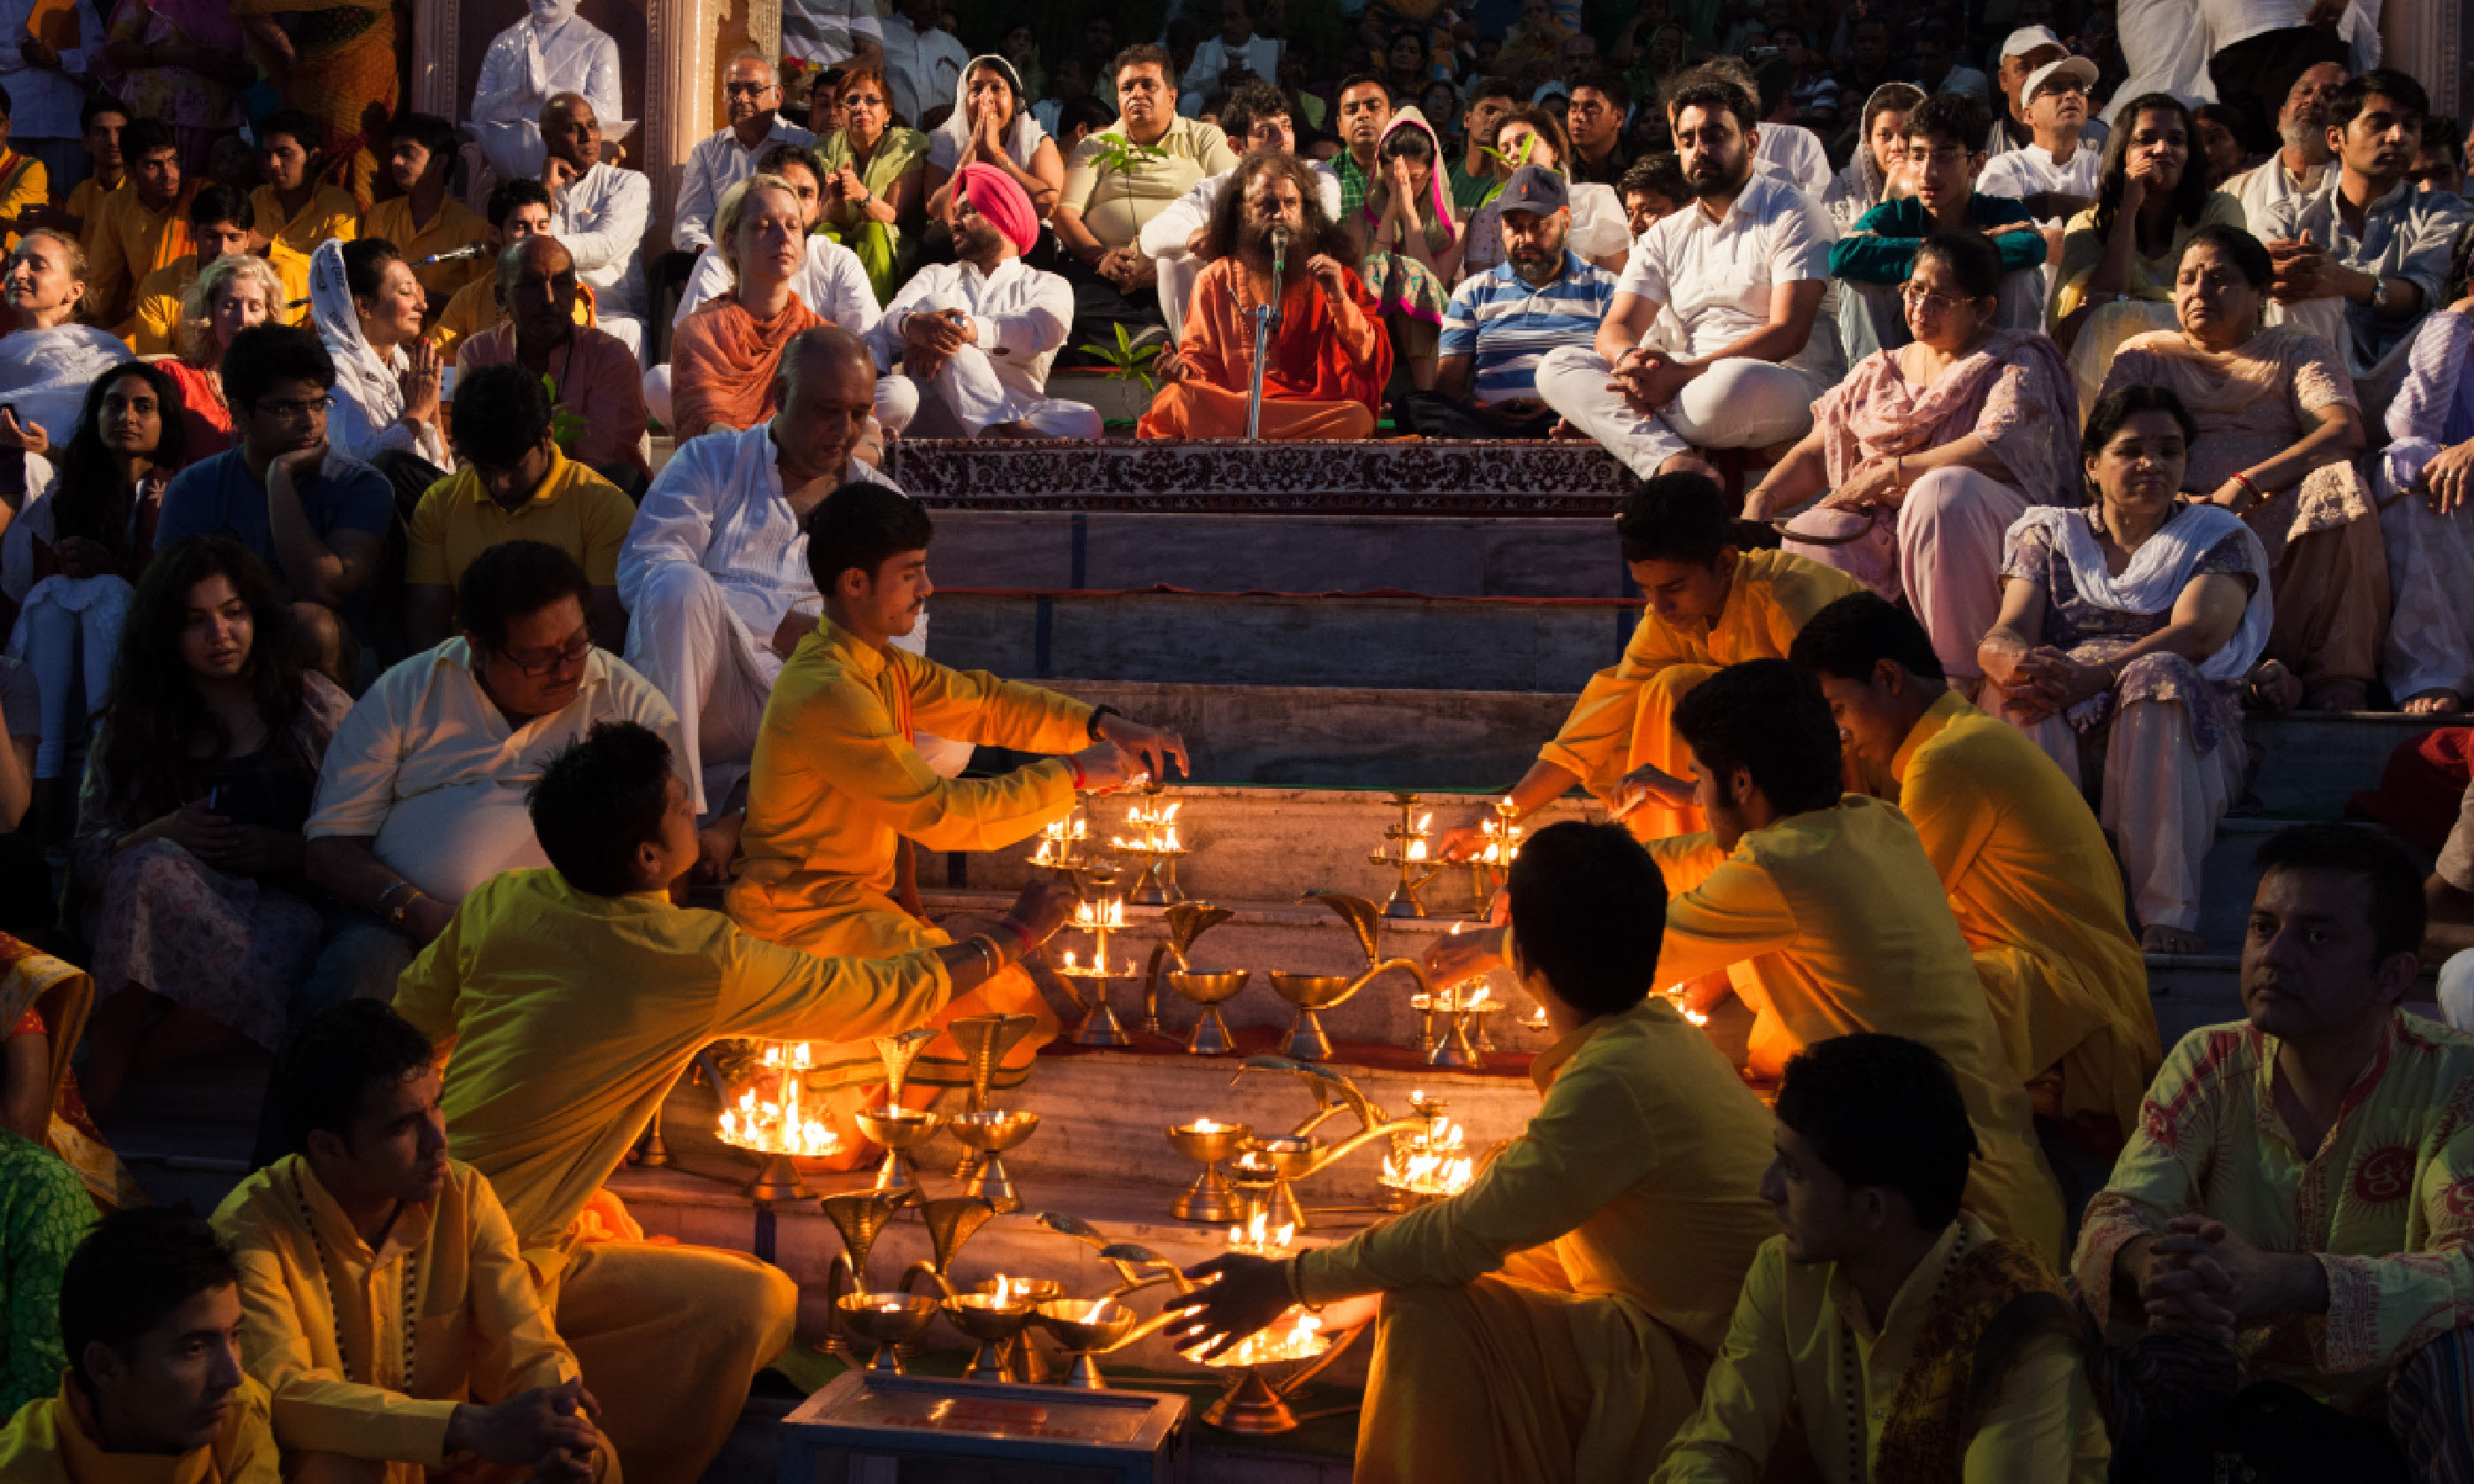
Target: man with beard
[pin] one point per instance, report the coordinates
(2202, 1260)
(2359, 261)
(1257, 119)
(1744, 267)
(1540, 297)
(2302, 159)
(976, 336)
(1327, 357)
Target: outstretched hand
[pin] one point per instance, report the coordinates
(1243, 1294)
(1154, 745)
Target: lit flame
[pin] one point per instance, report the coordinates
(1430, 1163)
(1259, 1238)
(773, 1126)
(1006, 1294)
(1296, 1336)
(1417, 849)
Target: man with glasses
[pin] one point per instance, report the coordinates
(729, 155)
(2025, 57)
(2054, 172)
(314, 516)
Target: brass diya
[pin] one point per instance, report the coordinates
(1088, 1327)
(1254, 1403)
(992, 1323)
(1263, 1173)
(1186, 921)
(1207, 1143)
(900, 1129)
(1313, 993)
(1210, 1035)
(1021, 1357)
(861, 1216)
(888, 1321)
(987, 1135)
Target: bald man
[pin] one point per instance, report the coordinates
(750, 93)
(599, 211)
(715, 572)
(593, 370)
(553, 50)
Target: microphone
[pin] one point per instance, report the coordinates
(457, 254)
(1279, 253)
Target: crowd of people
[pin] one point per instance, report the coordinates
(1996, 438)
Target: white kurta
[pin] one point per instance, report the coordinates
(599, 217)
(524, 69)
(717, 163)
(2164, 43)
(920, 67)
(44, 374)
(1020, 316)
(1796, 151)
(2430, 556)
(1215, 59)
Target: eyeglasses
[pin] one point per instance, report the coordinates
(747, 89)
(573, 653)
(291, 412)
(1925, 298)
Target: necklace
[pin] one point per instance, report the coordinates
(1857, 1471)
(411, 1301)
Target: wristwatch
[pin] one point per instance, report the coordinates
(2379, 293)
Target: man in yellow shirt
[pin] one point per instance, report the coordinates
(837, 782)
(219, 218)
(100, 118)
(25, 185)
(516, 485)
(154, 1392)
(2296, 1206)
(2027, 869)
(384, 1305)
(1903, 1339)
(425, 220)
(567, 1001)
(1712, 604)
(1553, 1320)
(517, 210)
(294, 208)
(143, 228)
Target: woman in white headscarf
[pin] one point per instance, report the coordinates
(367, 307)
(991, 125)
(1866, 181)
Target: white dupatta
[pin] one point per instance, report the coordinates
(2159, 570)
(360, 377)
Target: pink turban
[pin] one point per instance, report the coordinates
(993, 194)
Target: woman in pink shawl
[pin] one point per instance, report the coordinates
(1924, 455)
(1412, 242)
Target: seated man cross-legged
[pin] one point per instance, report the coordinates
(385, 1304)
(1882, 1290)
(1551, 1321)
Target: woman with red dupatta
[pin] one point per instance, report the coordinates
(1329, 359)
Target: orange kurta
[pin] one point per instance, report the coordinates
(1320, 382)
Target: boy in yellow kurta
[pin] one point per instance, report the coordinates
(836, 783)
(2026, 865)
(293, 209)
(142, 227)
(1710, 604)
(385, 1304)
(1905, 1339)
(25, 185)
(567, 1001)
(426, 220)
(219, 218)
(2298, 1198)
(100, 119)
(154, 1392)
(1551, 1321)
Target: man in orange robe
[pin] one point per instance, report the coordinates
(1328, 355)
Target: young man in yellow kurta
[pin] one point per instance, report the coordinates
(836, 783)
(1552, 1321)
(1710, 604)
(219, 218)
(154, 1392)
(25, 185)
(100, 119)
(1905, 1340)
(385, 1306)
(427, 220)
(566, 1002)
(2298, 1199)
(2025, 864)
(142, 227)
(294, 208)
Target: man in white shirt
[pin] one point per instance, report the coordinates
(1255, 117)
(922, 63)
(2165, 42)
(727, 156)
(826, 33)
(2028, 51)
(1790, 151)
(2053, 175)
(2302, 157)
(1216, 61)
(421, 793)
(553, 50)
(2256, 48)
(1744, 267)
(976, 336)
(599, 212)
(715, 572)
(44, 91)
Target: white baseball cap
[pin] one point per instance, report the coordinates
(2027, 39)
(2078, 67)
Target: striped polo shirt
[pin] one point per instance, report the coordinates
(1505, 324)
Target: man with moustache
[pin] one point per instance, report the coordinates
(1744, 267)
(1365, 105)
(599, 212)
(1256, 118)
(591, 369)
(1543, 296)
(2303, 155)
(1327, 358)
(2054, 172)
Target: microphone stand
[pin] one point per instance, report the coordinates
(1267, 318)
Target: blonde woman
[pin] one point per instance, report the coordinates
(723, 356)
(49, 359)
(227, 295)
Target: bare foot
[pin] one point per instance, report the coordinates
(2434, 703)
(2157, 938)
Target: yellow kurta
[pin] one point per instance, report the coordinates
(1831, 922)
(482, 1333)
(1626, 714)
(24, 183)
(49, 1442)
(475, 308)
(565, 1017)
(1786, 1358)
(456, 226)
(835, 785)
(1553, 1320)
(2038, 896)
(85, 204)
(331, 212)
(129, 242)
(154, 324)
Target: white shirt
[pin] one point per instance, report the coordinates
(920, 68)
(1717, 275)
(2164, 43)
(46, 99)
(2024, 172)
(1213, 58)
(2268, 185)
(822, 32)
(427, 766)
(1165, 234)
(44, 374)
(830, 280)
(1019, 313)
(599, 217)
(2009, 135)
(718, 504)
(2228, 21)
(714, 166)
(1798, 153)
(524, 69)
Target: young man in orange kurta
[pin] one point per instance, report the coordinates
(1327, 358)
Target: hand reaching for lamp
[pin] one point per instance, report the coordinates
(1154, 745)
(1245, 1294)
(1648, 784)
